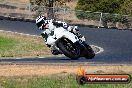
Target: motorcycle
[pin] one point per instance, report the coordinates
(70, 45)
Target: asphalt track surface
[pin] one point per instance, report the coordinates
(117, 45)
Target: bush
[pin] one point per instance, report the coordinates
(104, 6)
(88, 15)
(114, 18)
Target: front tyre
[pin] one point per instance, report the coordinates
(87, 51)
(90, 54)
(68, 48)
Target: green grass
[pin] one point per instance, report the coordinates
(14, 45)
(52, 81)
(6, 43)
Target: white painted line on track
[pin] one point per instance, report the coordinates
(19, 33)
(41, 57)
(100, 49)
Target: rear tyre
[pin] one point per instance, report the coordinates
(68, 48)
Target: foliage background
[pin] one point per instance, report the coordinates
(106, 6)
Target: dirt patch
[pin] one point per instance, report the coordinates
(42, 70)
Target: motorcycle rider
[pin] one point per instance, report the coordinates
(47, 27)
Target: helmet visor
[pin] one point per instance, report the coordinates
(39, 24)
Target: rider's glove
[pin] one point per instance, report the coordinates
(73, 29)
(82, 38)
(58, 24)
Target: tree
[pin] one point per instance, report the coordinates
(113, 7)
(127, 7)
(39, 2)
(49, 4)
(106, 6)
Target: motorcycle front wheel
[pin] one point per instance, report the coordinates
(68, 48)
(90, 54)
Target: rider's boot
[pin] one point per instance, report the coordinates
(55, 51)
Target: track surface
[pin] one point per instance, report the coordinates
(117, 44)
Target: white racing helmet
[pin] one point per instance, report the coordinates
(41, 21)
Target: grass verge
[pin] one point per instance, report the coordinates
(52, 81)
(16, 45)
